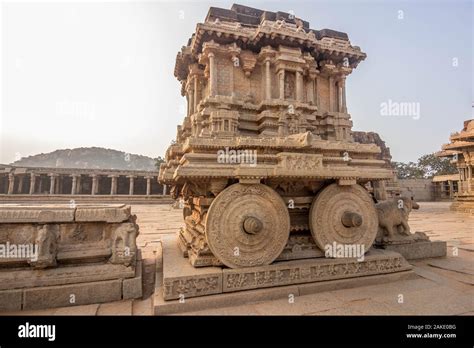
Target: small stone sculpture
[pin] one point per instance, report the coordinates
(393, 220)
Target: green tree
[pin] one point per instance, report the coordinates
(158, 161)
(432, 165)
(408, 170)
(426, 167)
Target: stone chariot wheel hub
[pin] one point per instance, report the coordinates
(247, 225)
(345, 215)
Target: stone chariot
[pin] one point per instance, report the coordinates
(265, 165)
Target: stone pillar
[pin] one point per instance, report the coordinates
(40, 188)
(190, 92)
(95, 184)
(32, 183)
(132, 183)
(74, 184)
(164, 190)
(212, 75)
(299, 86)
(20, 184)
(11, 183)
(148, 185)
(113, 184)
(52, 186)
(268, 80)
(341, 95)
(331, 94)
(281, 78)
(451, 189)
(79, 185)
(316, 99)
(196, 93)
(343, 89)
(58, 189)
(310, 89)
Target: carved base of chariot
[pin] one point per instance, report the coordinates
(249, 225)
(180, 287)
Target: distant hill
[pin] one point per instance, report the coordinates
(88, 157)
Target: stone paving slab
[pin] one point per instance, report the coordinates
(440, 300)
(90, 309)
(116, 308)
(454, 264)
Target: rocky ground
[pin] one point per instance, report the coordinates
(445, 286)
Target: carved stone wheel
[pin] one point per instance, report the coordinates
(345, 215)
(247, 225)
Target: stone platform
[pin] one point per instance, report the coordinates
(179, 283)
(419, 250)
(66, 255)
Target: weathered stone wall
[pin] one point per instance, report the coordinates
(419, 189)
(64, 255)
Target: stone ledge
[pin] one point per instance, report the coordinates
(182, 281)
(102, 213)
(27, 278)
(133, 287)
(419, 250)
(57, 213)
(16, 213)
(163, 307)
(85, 292)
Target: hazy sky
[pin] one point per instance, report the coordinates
(101, 73)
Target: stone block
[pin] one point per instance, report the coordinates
(163, 307)
(106, 213)
(312, 270)
(10, 300)
(419, 250)
(133, 287)
(61, 296)
(16, 213)
(180, 278)
(115, 308)
(26, 278)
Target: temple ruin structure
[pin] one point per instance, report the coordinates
(461, 150)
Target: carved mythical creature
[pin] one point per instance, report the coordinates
(393, 217)
(124, 247)
(46, 242)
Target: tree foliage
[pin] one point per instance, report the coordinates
(158, 161)
(426, 167)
